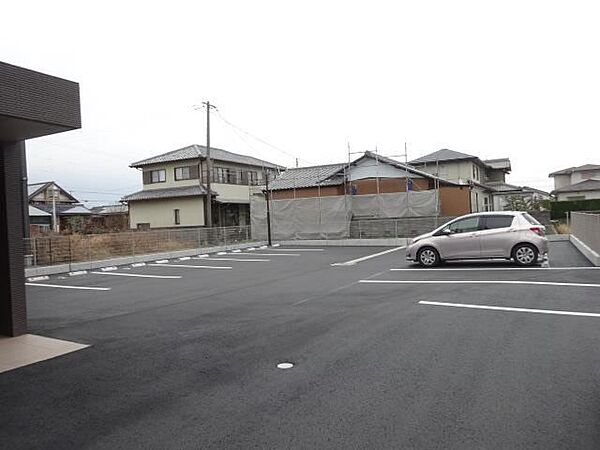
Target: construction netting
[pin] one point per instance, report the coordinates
(331, 217)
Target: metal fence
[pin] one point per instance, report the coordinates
(50, 250)
(586, 227)
(406, 227)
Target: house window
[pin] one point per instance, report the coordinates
(158, 176)
(177, 218)
(182, 173)
(486, 204)
(252, 177)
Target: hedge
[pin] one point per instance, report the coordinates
(558, 210)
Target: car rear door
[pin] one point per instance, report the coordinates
(463, 240)
(496, 236)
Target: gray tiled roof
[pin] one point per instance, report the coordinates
(63, 209)
(593, 184)
(505, 187)
(303, 177)
(110, 209)
(199, 151)
(153, 194)
(576, 169)
(442, 155)
(36, 212)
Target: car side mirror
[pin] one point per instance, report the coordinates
(444, 232)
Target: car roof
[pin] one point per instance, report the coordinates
(493, 213)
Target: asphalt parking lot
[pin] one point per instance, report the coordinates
(184, 354)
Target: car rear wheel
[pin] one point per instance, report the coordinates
(525, 254)
(428, 257)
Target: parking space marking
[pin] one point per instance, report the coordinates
(270, 254)
(85, 288)
(235, 259)
(191, 266)
(298, 249)
(364, 258)
(534, 283)
(483, 269)
(137, 275)
(511, 309)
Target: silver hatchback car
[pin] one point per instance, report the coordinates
(491, 235)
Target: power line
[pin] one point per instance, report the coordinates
(259, 139)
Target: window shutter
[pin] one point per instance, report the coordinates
(194, 172)
(147, 177)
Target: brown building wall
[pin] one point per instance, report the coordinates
(388, 185)
(326, 191)
(455, 200)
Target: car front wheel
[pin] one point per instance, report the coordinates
(525, 254)
(428, 257)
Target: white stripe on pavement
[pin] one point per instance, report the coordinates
(504, 308)
(534, 283)
(270, 254)
(137, 275)
(298, 249)
(364, 258)
(483, 269)
(234, 259)
(86, 288)
(190, 266)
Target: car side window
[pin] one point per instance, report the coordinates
(492, 222)
(467, 225)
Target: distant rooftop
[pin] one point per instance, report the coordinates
(575, 169)
(445, 155)
(199, 151)
(442, 155)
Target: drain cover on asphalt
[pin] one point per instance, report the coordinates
(285, 365)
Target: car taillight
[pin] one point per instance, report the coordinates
(538, 230)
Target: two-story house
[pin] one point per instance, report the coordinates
(577, 183)
(483, 176)
(63, 209)
(174, 188)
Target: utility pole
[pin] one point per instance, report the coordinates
(208, 206)
(266, 175)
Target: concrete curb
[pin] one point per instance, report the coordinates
(92, 265)
(558, 237)
(391, 242)
(587, 251)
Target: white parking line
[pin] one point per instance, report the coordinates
(503, 308)
(298, 249)
(484, 269)
(235, 259)
(270, 254)
(85, 288)
(534, 283)
(364, 258)
(137, 275)
(190, 266)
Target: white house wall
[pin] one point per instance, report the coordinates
(589, 195)
(161, 214)
(368, 168)
(456, 171)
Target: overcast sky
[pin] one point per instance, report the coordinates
(517, 79)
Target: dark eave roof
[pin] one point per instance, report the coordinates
(593, 184)
(155, 194)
